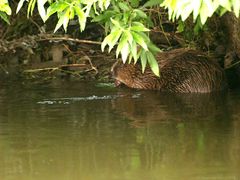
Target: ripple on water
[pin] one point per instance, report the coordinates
(76, 99)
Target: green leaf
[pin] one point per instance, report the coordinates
(196, 9)
(66, 18)
(105, 16)
(187, 10)
(153, 48)
(104, 43)
(4, 16)
(222, 11)
(143, 58)
(20, 4)
(111, 39)
(56, 7)
(134, 52)
(124, 6)
(126, 17)
(115, 35)
(129, 37)
(226, 4)
(100, 5)
(137, 26)
(205, 11)
(197, 27)
(72, 13)
(153, 63)
(139, 29)
(125, 52)
(81, 17)
(140, 40)
(151, 3)
(134, 3)
(123, 41)
(41, 9)
(31, 7)
(116, 23)
(144, 36)
(5, 8)
(140, 13)
(60, 21)
(236, 7)
(107, 3)
(171, 6)
(180, 27)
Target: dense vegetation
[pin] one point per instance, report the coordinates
(126, 22)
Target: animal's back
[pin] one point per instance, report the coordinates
(192, 72)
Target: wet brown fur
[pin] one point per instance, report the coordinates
(181, 70)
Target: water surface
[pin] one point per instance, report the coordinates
(67, 130)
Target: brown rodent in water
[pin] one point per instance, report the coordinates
(181, 70)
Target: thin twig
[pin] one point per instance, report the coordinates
(58, 68)
(234, 64)
(70, 39)
(5, 71)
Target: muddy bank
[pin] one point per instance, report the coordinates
(54, 56)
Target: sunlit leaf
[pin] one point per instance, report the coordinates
(140, 13)
(137, 26)
(107, 3)
(60, 22)
(111, 38)
(81, 17)
(124, 6)
(115, 36)
(4, 17)
(143, 58)
(129, 37)
(123, 41)
(226, 4)
(140, 40)
(151, 3)
(125, 52)
(41, 9)
(66, 18)
(116, 23)
(196, 9)
(204, 11)
(153, 48)
(105, 16)
(20, 4)
(31, 7)
(56, 7)
(5, 8)
(222, 11)
(236, 7)
(134, 3)
(187, 10)
(134, 52)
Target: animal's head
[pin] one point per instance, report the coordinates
(131, 75)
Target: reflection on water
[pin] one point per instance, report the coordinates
(71, 130)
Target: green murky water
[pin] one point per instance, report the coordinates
(77, 131)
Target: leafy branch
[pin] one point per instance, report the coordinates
(5, 10)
